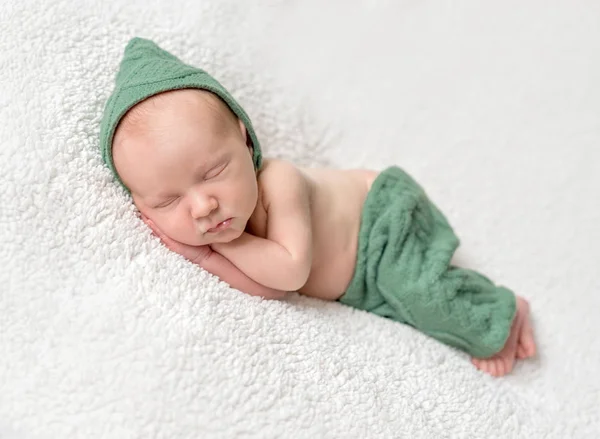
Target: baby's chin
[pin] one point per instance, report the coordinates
(210, 238)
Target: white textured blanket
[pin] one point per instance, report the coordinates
(494, 107)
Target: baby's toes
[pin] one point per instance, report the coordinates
(508, 364)
(500, 367)
(480, 364)
(529, 346)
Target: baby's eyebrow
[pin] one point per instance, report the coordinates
(209, 165)
(200, 171)
(159, 196)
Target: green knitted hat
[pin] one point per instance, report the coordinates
(147, 70)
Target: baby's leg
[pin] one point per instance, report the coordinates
(520, 343)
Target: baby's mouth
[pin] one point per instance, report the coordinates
(220, 227)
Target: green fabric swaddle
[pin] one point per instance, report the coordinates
(403, 272)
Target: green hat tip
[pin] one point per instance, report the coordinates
(147, 70)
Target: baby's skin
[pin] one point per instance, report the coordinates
(187, 161)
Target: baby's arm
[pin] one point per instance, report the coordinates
(283, 260)
(216, 264)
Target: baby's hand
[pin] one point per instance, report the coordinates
(217, 264)
(195, 254)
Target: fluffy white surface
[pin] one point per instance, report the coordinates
(493, 106)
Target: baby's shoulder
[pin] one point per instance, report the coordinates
(276, 174)
(278, 178)
(275, 167)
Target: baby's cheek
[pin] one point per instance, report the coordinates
(167, 222)
(180, 227)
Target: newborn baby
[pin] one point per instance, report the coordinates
(189, 156)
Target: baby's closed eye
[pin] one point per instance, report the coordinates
(166, 203)
(215, 171)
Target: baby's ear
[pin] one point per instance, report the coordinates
(247, 139)
(243, 130)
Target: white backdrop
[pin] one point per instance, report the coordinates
(493, 107)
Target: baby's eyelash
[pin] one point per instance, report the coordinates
(218, 171)
(164, 204)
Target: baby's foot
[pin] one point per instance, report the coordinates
(503, 362)
(526, 345)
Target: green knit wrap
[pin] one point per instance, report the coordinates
(147, 70)
(403, 271)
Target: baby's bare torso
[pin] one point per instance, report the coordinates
(336, 199)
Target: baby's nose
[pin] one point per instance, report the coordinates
(203, 205)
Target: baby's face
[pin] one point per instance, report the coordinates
(186, 161)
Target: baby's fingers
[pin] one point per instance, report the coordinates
(155, 230)
(192, 253)
(171, 244)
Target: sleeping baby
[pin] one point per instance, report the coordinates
(187, 153)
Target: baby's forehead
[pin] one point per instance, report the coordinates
(152, 110)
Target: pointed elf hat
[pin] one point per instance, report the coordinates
(147, 70)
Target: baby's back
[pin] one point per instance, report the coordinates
(337, 198)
